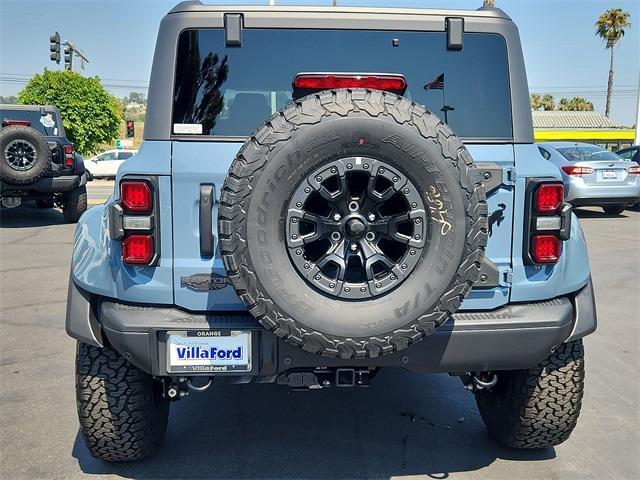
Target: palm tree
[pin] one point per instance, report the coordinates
(576, 104)
(536, 101)
(610, 27)
(548, 103)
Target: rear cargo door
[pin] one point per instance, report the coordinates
(198, 173)
(496, 163)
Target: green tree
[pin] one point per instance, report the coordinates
(536, 101)
(578, 104)
(548, 102)
(90, 114)
(610, 27)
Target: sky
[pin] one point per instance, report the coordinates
(563, 56)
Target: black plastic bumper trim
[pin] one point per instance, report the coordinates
(513, 337)
(64, 183)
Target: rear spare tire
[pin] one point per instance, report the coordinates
(25, 155)
(352, 223)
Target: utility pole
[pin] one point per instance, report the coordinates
(637, 137)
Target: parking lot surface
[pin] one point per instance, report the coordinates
(404, 426)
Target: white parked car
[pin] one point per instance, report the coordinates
(106, 164)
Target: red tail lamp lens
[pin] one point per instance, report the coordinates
(137, 249)
(577, 171)
(634, 170)
(68, 149)
(549, 197)
(391, 83)
(546, 248)
(135, 196)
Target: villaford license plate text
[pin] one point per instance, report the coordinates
(209, 351)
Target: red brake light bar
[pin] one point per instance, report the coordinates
(546, 248)
(137, 249)
(635, 170)
(324, 81)
(23, 123)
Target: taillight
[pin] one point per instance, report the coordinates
(547, 221)
(68, 155)
(634, 170)
(577, 171)
(548, 197)
(134, 221)
(324, 81)
(137, 249)
(546, 248)
(135, 196)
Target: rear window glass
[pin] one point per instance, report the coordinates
(586, 154)
(45, 124)
(228, 91)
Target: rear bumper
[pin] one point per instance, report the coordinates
(580, 194)
(64, 183)
(517, 336)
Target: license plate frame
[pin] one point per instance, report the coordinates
(222, 340)
(609, 174)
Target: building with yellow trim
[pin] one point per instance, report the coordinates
(589, 127)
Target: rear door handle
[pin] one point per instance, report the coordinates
(207, 198)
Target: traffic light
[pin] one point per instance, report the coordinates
(68, 56)
(131, 129)
(54, 46)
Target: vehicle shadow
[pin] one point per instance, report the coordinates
(30, 216)
(597, 213)
(404, 424)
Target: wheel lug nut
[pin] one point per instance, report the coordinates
(370, 236)
(337, 217)
(307, 266)
(417, 237)
(395, 179)
(307, 190)
(381, 170)
(371, 217)
(347, 289)
(319, 178)
(317, 277)
(418, 220)
(353, 247)
(404, 266)
(294, 220)
(378, 285)
(366, 166)
(414, 205)
(349, 166)
(332, 285)
(363, 289)
(335, 236)
(298, 204)
(406, 191)
(334, 170)
(298, 252)
(294, 236)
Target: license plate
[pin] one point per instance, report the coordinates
(209, 351)
(609, 174)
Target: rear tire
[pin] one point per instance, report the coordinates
(614, 210)
(539, 407)
(75, 204)
(123, 415)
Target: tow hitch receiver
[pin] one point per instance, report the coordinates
(321, 378)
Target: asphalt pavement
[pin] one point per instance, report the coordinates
(404, 426)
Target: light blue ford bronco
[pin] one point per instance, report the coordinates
(321, 193)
